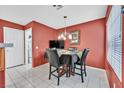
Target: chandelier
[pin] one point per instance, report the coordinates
(64, 35)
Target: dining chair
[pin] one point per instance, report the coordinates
(82, 64)
(53, 60)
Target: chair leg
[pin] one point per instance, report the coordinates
(50, 73)
(58, 79)
(69, 71)
(82, 74)
(74, 67)
(85, 70)
(67, 74)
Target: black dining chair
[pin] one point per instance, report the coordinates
(82, 64)
(53, 60)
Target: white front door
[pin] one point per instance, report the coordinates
(14, 55)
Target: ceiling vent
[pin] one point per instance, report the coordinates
(58, 7)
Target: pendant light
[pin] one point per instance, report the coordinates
(64, 35)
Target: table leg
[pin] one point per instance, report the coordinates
(69, 70)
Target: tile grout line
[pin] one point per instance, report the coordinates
(25, 78)
(100, 82)
(87, 82)
(12, 79)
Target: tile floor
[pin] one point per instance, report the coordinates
(23, 77)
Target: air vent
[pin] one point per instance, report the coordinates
(58, 7)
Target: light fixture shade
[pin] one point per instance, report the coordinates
(59, 37)
(70, 36)
(62, 36)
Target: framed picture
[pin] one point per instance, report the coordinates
(75, 37)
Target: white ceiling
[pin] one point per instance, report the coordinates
(48, 15)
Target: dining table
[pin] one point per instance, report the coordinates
(69, 57)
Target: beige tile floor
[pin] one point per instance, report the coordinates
(23, 77)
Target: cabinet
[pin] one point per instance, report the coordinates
(2, 68)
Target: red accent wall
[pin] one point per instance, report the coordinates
(2, 79)
(112, 77)
(4, 23)
(41, 34)
(29, 25)
(92, 36)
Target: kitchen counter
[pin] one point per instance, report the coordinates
(3, 45)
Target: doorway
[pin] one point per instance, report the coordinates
(28, 48)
